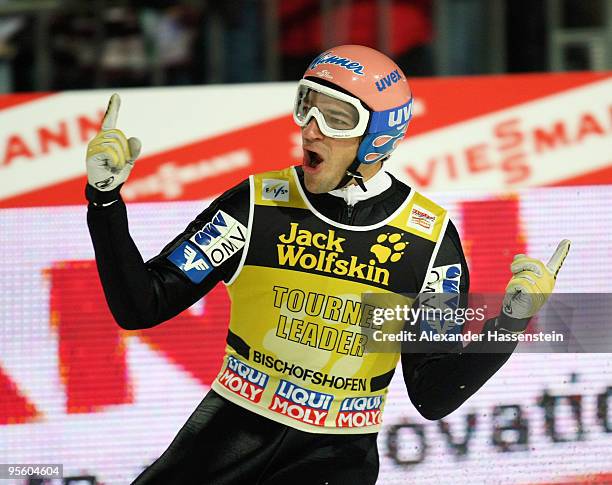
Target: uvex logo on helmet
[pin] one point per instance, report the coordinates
(400, 116)
(388, 80)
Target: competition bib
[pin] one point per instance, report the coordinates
(301, 319)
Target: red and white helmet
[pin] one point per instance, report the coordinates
(372, 91)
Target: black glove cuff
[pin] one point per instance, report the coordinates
(504, 322)
(99, 198)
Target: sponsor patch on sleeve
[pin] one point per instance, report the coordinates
(443, 279)
(421, 219)
(191, 262)
(220, 238)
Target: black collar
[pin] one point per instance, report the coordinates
(367, 212)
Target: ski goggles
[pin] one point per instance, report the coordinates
(338, 115)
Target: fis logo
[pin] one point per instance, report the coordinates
(388, 80)
(191, 262)
(273, 189)
(400, 116)
(356, 412)
(301, 404)
(421, 219)
(243, 380)
(221, 238)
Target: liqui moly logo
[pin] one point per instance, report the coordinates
(309, 407)
(243, 380)
(346, 63)
(356, 412)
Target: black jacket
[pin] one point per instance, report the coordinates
(144, 294)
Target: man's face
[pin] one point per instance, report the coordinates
(326, 159)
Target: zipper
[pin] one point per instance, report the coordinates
(347, 214)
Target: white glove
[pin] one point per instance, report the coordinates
(532, 282)
(110, 156)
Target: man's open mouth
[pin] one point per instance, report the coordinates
(312, 159)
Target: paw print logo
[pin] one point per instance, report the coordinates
(388, 247)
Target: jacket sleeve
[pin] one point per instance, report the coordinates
(144, 294)
(438, 382)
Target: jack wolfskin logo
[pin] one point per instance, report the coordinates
(388, 247)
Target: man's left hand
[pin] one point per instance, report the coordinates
(532, 282)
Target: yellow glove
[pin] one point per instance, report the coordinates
(110, 156)
(532, 282)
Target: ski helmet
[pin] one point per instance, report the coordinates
(376, 88)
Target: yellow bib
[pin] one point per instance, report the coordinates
(300, 321)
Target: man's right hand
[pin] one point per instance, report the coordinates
(110, 155)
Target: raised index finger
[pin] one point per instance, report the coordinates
(556, 261)
(112, 113)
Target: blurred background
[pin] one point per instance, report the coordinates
(75, 44)
(512, 133)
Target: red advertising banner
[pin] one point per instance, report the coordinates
(483, 133)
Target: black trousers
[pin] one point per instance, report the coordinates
(222, 444)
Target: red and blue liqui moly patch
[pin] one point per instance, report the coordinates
(356, 412)
(243, 380)
(309, 407)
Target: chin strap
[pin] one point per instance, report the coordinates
(352, 174)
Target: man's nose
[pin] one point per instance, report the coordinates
(311, 131)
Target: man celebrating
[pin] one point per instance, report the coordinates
(298, 397)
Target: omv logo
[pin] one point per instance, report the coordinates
(211, 230)
(220, 238)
